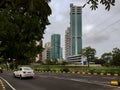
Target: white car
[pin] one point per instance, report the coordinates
(23, 72)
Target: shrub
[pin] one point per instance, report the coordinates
(65, 70)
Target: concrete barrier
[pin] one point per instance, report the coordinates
(115, 83)
(83, 73)
(89, 73)
(101, 74)
(95, 73)
(116, 74)
(108, 74)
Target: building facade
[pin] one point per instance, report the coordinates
(67, 42)
(76, 29)
(46, 52)
(55, 46)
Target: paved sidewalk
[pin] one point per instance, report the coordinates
(1, 85)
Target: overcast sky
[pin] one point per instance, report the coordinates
(101, 29)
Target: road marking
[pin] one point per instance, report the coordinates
(8, 83)
(83, 80)
(86, 81)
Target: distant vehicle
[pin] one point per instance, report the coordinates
(1, 69)
(24, 72)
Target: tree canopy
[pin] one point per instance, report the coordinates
(94, 3)
(111, 58)
(89, 53)
(116, 57)
(22, 24)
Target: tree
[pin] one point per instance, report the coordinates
(64, 63)
(98, 61)
(94, 3)
(54, 61)
(106, 58)
(48, 62)
(116, 57)
(22, 24)
(89, 53)
(1, 60)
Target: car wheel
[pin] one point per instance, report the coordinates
(1, 71)
(32, 77)
(20, 77)
(14, 75)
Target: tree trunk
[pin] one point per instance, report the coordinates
(88, 62)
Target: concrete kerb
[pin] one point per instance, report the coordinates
(2, 87)
(89, 73)
(115, 83)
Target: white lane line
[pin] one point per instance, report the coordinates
(8, 83)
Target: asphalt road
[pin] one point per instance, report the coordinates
(53, 81)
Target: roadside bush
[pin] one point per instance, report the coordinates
(65, 70)
(37, 69)
(53, 69)
(103, 71)
(46, 69)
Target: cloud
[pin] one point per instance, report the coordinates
(95, 38)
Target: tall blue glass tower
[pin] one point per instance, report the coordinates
(55, 46)
(76, 29)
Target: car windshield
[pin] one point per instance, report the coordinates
(27, 68)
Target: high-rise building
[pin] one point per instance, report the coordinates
(46, 52)
(61, 53)
(67, 42)
(55, 46)
(76, 29)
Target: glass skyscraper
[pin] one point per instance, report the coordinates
(76, 29)
(55, 46)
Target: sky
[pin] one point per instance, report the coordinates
(100, 28)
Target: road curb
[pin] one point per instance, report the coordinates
(2, 87)
(115, 83)
(12, 88)
(84, 73)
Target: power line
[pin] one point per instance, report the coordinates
(106, 28)
(96, 26)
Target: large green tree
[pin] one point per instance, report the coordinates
(116, 57)
(22, 23)
(89, 53)
(106, 58)
(94, 3)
